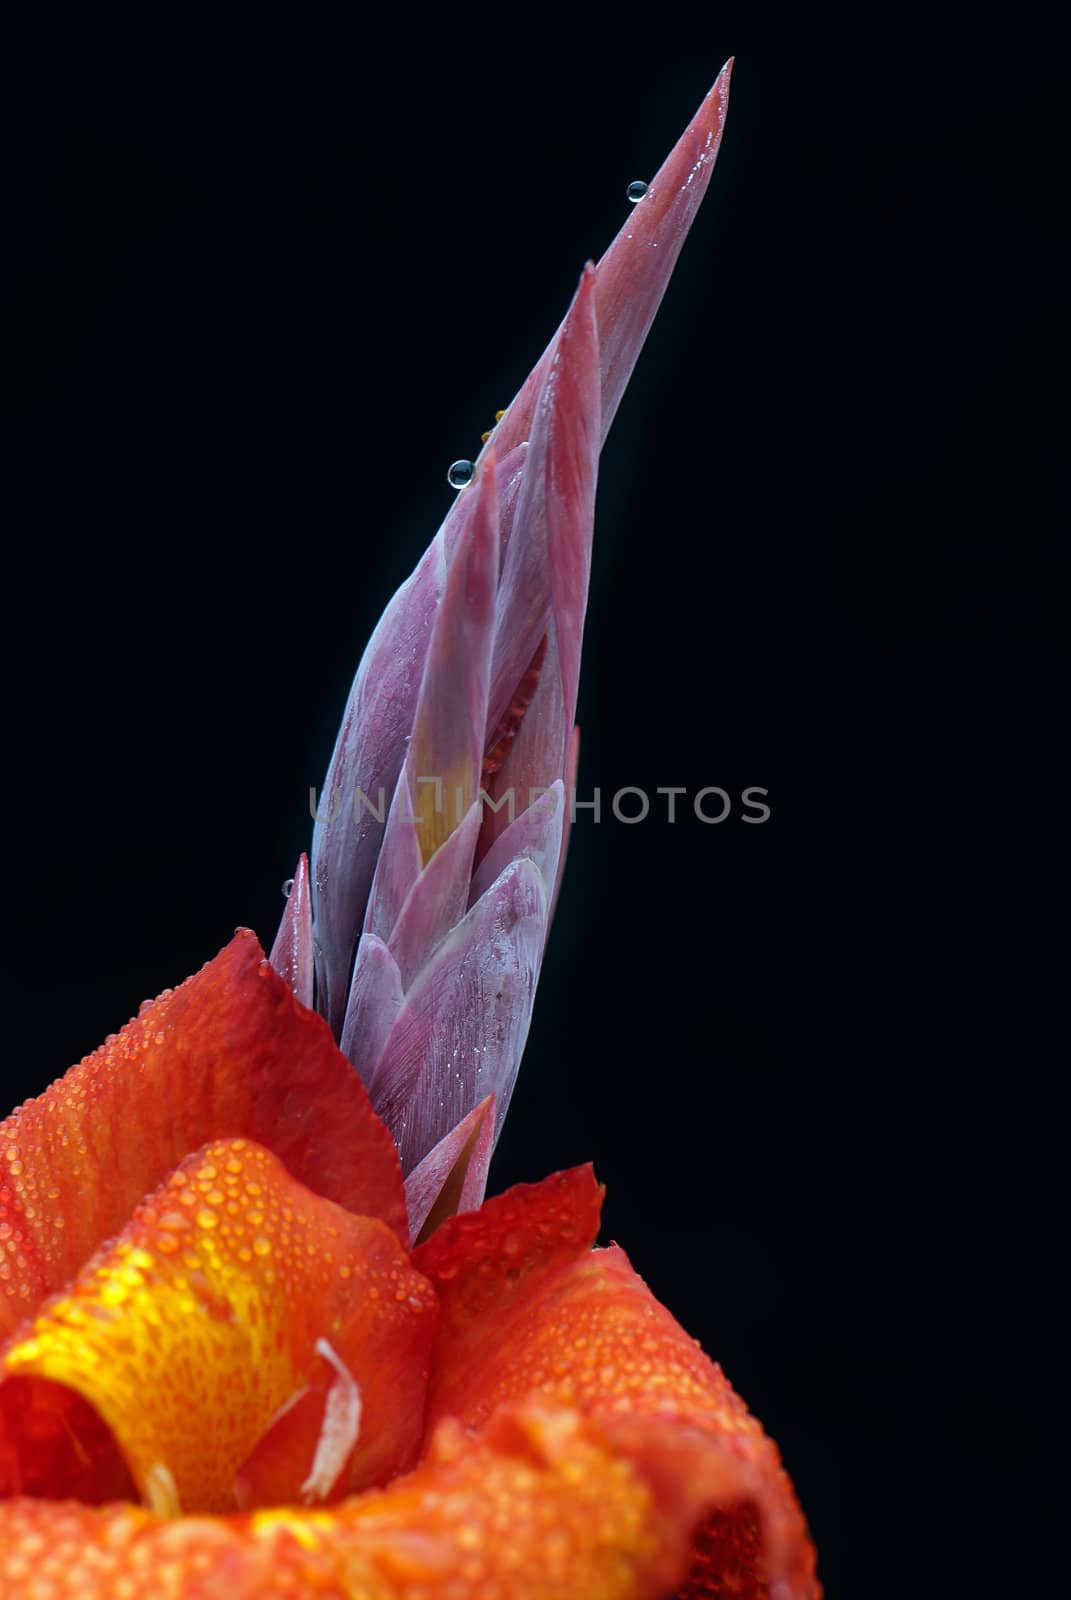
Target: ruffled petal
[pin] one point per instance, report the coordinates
(585, 1447)
(540, 1507)
(483, 1262)
(530, 1312)
(214, 1309)
(230, 1052)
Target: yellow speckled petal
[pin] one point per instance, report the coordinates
(186, 1336)
(229, 1053)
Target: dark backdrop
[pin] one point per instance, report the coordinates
(271, 277)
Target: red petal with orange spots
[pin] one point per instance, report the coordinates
(186, 1336)
(230, 1052)
(482, 1262)
(528, 1312)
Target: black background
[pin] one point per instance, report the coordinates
(272, 274)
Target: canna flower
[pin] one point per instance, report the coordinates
(260, 1335)
(228, 1374)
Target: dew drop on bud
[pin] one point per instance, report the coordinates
(636, 190)
(288, 884)
(460, 474)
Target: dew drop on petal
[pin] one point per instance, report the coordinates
(288, 884)
(636, 190)
(460, 474)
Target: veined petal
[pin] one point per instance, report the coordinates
(229, 1052)
(438, 899)
(461, 1030)
(190, 1331)
(376, 997)
(436, 902)
(453, 1176)
(536, 835)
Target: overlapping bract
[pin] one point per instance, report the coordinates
(430, 906)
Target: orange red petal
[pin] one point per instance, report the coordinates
(577, 1441)
(187, 1335)
(230, 1052)
(538, 1508)
(580, 1445)
(483, 1262)
(529, 1312)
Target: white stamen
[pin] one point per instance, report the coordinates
(339, 1430)
(161, 1492)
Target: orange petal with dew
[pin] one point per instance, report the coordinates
(484, 1261)
(540, 1507)
(230, 1052)
(176, 1348)
(528, 1313)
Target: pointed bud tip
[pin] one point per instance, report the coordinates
(711, 113)
(718, 95)
(585, 288)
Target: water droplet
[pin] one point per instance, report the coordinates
(460, 474)
(288, 884)
(636, 190)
